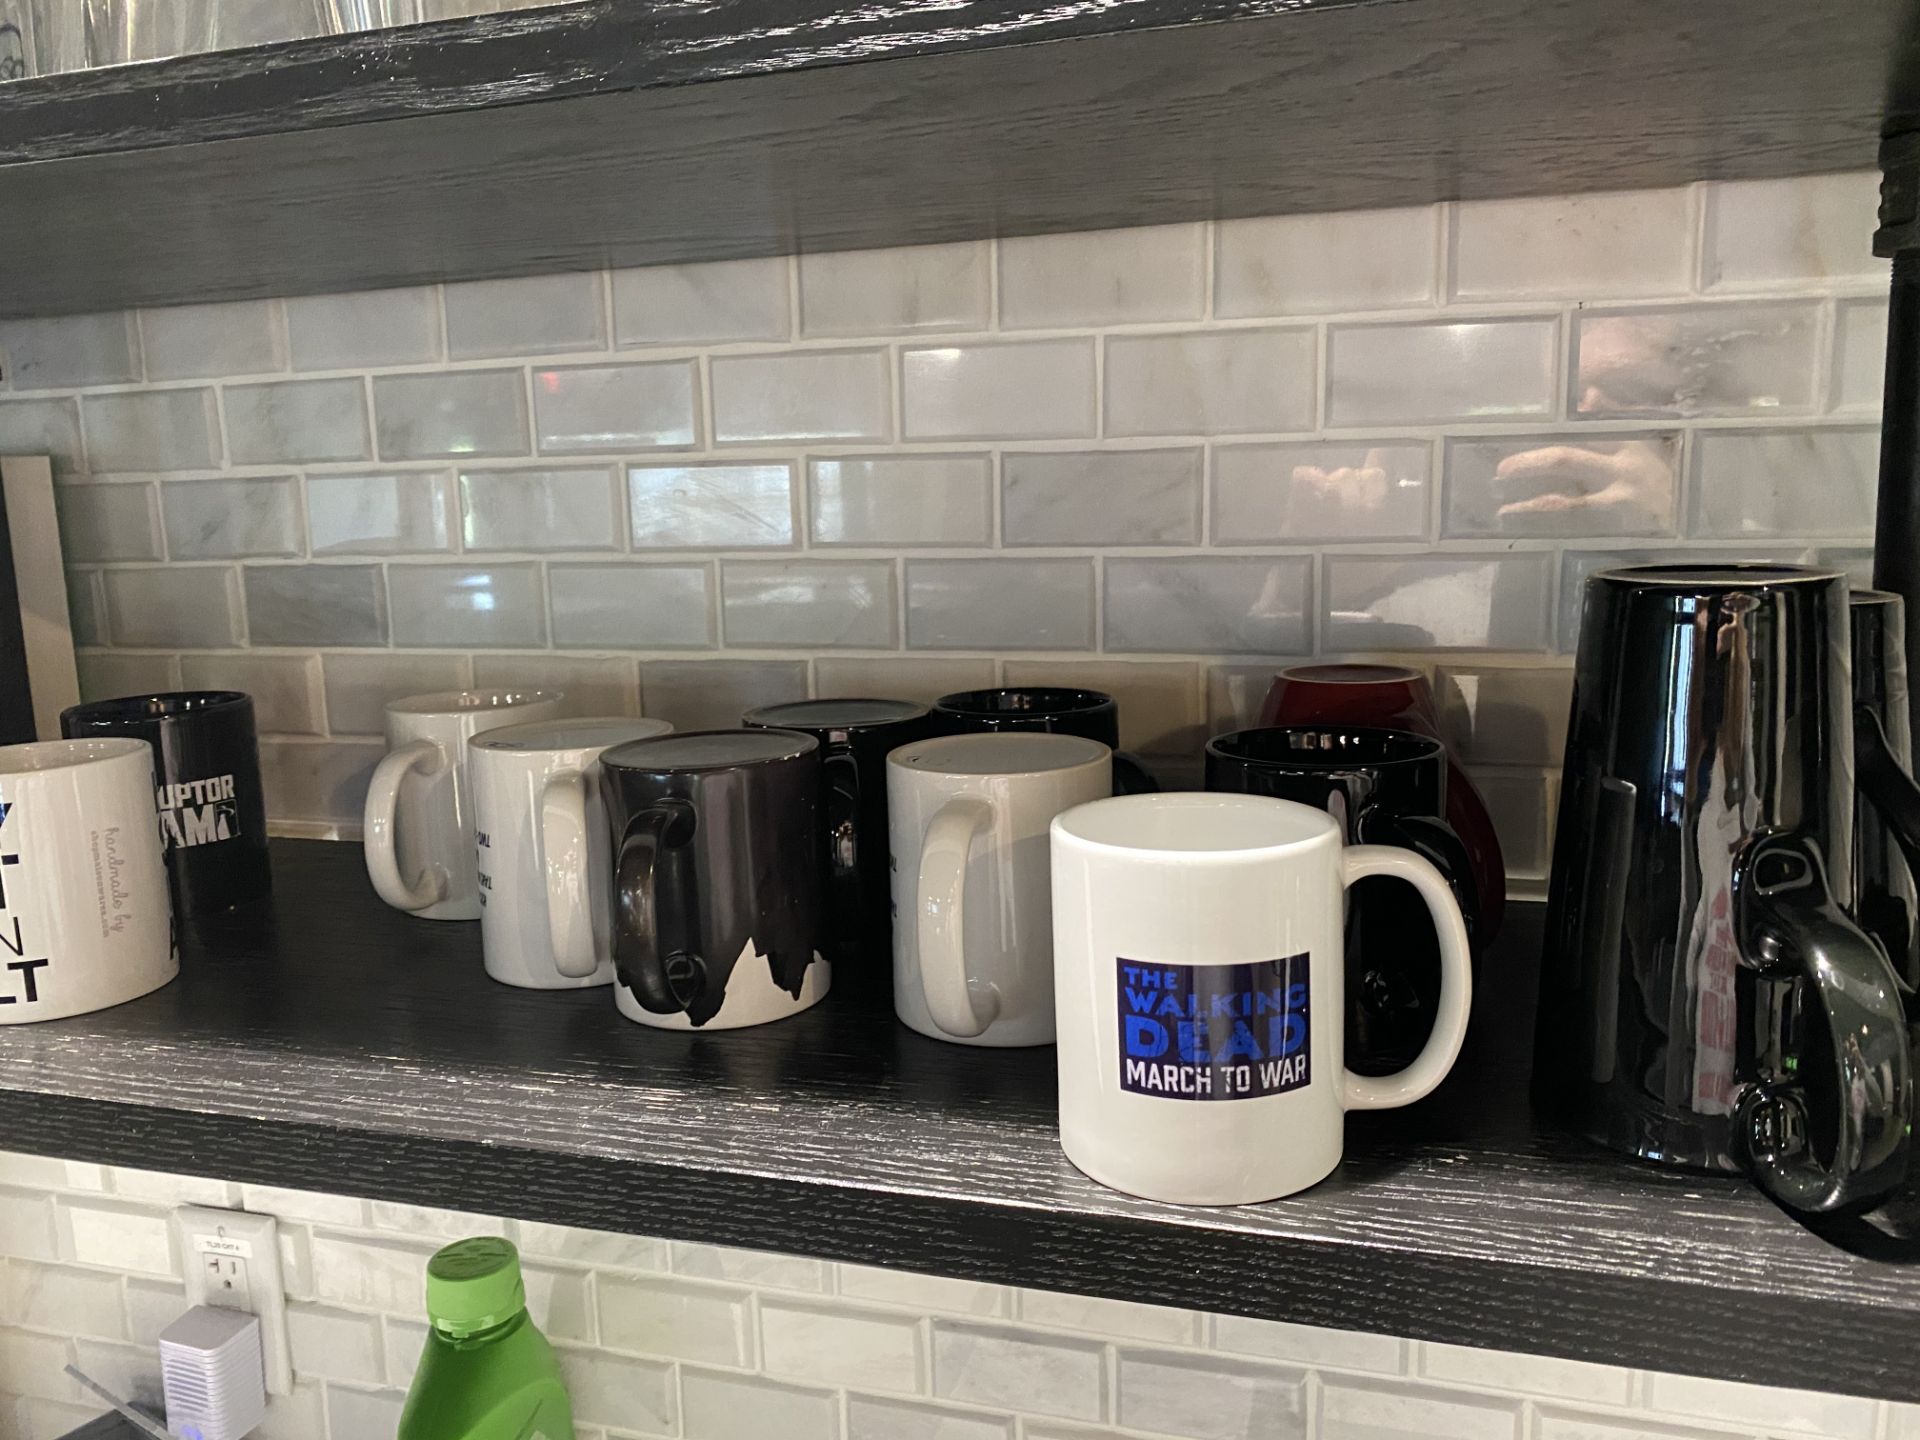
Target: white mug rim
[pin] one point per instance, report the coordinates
(1093, 753)
(467, 702)
(68, 754)
(557, 737)
(1319, 827)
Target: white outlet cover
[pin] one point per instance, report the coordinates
(213, 1243)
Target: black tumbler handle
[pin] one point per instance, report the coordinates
(1886, 786)
(1789, 927)
(665, 985)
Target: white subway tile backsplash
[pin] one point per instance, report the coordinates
(1696, 360)
(336, 1344)
(1568, 1425)
(592, 686)
(1239, 605)
(1221, 382)
(286, 701)
(872, 1419)
(705, 303)
(832, 395)
(1310, 1344)
(676, 1319)
(430, 1221)
(151, 1306)
(872, 292)
(590, 1247)
(116, 1236)
(841, 1346)
(641, 607)
(105, 675)
(1101, 497)
(319, 780)
(42, 427)
(1859, 356)
(1033, 390)
(1436, 372)
(59, 351)
(1109, 277)
(1833, 1417)
(1466, 602)
(1200, 1397)
(1505, 715)
(1562, 485)
(1159, 700)
(709, 694)
(467, 606)
(1785, 484)
(1356, 1410)
(1019, 1369)
(635, 1395)
(1808, 227)
(738, 506)
(1627, 242)
(526, 315)
(398, 513)
(108, 522)
(549, 509)
(1312, 264)
(451, 415)
(33, 1365)
(1315, 490)
(1569, 1380)
(358, 687)
(597, 409)
(368, 1273)
(232, 519)
(172, 605)
(999, 604)
(315, 605)
(86, 608)
(901, 499)
(734, 1407)
(362, 1414)
(939, 1293)
(200, 342)
(845, 604)
(915, 677)
(63, 1299)
(364, 327)
(1160, 1323)
(765, 1269)
(297, 422)
(150, 430)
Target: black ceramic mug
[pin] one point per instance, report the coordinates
(1384, 787)
(1058, 710)
(717, 885)
(855, 737)
(1886, 821)
(206, 763)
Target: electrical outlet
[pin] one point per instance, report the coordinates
(232, 1261)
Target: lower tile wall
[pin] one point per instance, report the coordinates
(679, 1340)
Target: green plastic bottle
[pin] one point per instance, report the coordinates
(487, 1372)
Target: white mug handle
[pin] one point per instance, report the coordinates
(1430, 1066)
(956, 1006)
(562, 858)
(383, 801)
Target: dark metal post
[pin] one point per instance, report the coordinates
(1896, 545)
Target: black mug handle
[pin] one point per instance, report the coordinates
(1788, 927)
(1886, 786)
(1436, 842)
(843, 833)
(1130, 777)
(664, 985)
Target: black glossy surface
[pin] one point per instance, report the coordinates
(1056, 710)
(624, 134)
(1886, 819)
(295, 1050)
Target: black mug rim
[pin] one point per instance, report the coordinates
(1709, 576)
(1054, 700)
(756, 718)
(805, 745)
(1418, 749)
(172, 705)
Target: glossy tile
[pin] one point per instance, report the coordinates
(1310, 1344)
(716, 301)
(1517, 803)
(874, 1419)
(150, 430)
(908, 678)
(364, 328)
(1320, 490)
(86, 607)
(608, 685)
(837, 1344)
(1836, 1417)
(1159, 715)
(1312, 264)
(1029, 1370)
(285, 688)
(456, 606)
(358, 687)
(1205, 1397)
(232, 519)
(1790, 484)
(323, 781)
(587, 409)
(200, 342)
(1210, 382)
(901, 499)
(803, 395)
(720, 1406)
(315, 605)
(173, 605)
(526, 315)
(540, 510)
(1450, 602)
(1808, 227)
(606, 1389)
(1101, 497)
(1106, 277)
(999, 604)
(297, 421)
(1246, 606)
(107, 522)
(895, 292)
(1700, 360)
(836, 604)
(385, 514)
(42, 427)
(704, 694)
(1505, 715)
(631, 606)
(711, 506)
(107, 675)
(1042, 389)
(449, 415)
(1562, 485)
(68, 350)
(1859, 354)
(1607, 243)
(1465, 370)
(1358, 1410)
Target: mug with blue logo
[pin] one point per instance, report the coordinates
(1200, 993)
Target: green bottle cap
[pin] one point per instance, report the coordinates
(474, 1285)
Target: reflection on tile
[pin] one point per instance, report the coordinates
(1104, 277)
(1310, 264)
(363, 328)
(315, 605)
(199, 342)
(632, 607)
(493, 606)
(526, 315)
(803, 395)
(1209, 1396)
(718, 301)
(608, 686)
(1517, 805)
(1029, 1370)
(1159, 709)
(889, 292)
(1469, 370)
(722, 506)
(401, 513)
(109, 675)
(359, 686)
(1562, 485)
(539, 510)
(1101, 497)
(285, 688)
(1702, 360)
(902, 500)
(1316, 490)
(42, 427)
(705, 694)
(1235, 693)
(1246, 606)
(1810, 227)
(912, 678)
(1786, 483)
(297, 421)
(228, 519)
(1421, 602)
(107, 522)
(1505, 715)
(1038, 390)
(1210, 383)
(319, 780)
(999, 604)
(150, 430)
(69, 350)
(1623, 242)
(459, 412)
(171, 605)
(844, 604)
(1859, 354)
(1856, 563)
(597, 408)
(86, 607)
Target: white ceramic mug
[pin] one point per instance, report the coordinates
(419, 817)
(1200, 985)
(84, 912)
(967, 827)
(540, 843)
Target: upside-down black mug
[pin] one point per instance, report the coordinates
(718, 891)
(1056, 710)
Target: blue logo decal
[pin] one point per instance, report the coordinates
(1214, 1032)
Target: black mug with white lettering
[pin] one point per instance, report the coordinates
(206, 762)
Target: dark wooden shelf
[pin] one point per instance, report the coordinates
(625, 133)
(328, 1042)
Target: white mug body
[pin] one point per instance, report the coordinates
(967, 831)
(84, 907)
(541, 849)
(419, 815)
